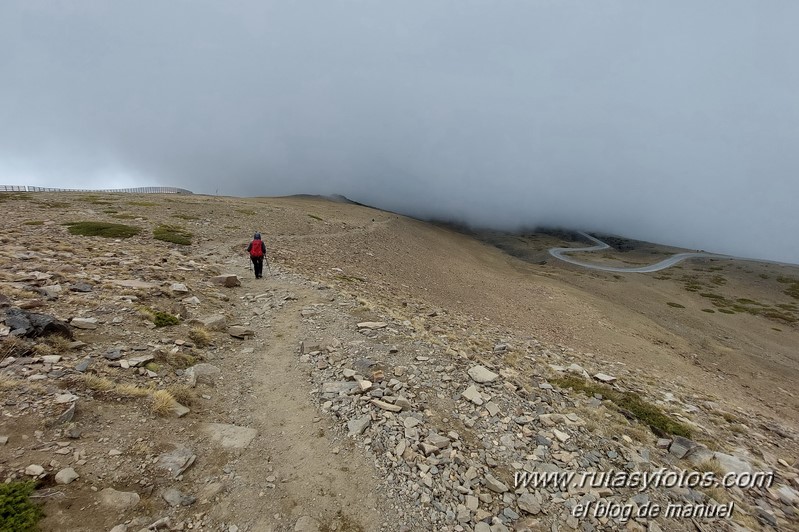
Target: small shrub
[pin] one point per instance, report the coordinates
(164, 319)
(675, 305)
(709, 310)
(17, 512)
(34, 222)
(162, 403)
(104, 229)
(726, 311)
(200, 336)
(173, 234)
(629, 404)
(315, 217)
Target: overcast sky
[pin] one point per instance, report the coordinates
(672, 121)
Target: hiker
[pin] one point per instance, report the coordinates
(257, 250)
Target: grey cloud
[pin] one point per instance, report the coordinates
(675, 122)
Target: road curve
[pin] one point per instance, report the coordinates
(560, 253)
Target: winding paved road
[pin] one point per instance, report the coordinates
(560, 253)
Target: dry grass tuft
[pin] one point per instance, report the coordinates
(200, 336)
(43, 349)
(11, 346)
(98, 384)
(8, 383)
(57, 342)
(131, 390)
(162, 403)
(182, 394)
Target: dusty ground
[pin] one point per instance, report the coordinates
(448, 297)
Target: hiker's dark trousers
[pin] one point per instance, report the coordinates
(258, 265)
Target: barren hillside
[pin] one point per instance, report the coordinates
(385, 374)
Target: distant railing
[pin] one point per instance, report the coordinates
(136, 190)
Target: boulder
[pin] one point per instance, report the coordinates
(202, 374)
(118, 500)
(238, 331)
(482, 374)
(227, 280)
(229, 436)
(66, 476)
(32, 324)
(84, 323)
(214, 323)
(372, 325)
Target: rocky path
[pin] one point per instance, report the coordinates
(297, 473)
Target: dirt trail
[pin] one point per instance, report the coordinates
(314, 472)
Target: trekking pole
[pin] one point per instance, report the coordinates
(267, 265)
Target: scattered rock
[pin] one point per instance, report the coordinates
(81, 287)
(202, 374)
(66, 476)
(681, 446)
(607, 379)
(179, 288)
(237, 331)
(229, 436)
(140, 360)
(177, 461)
(175, 498)
(372, 325)
(528, 503)
(471, 394)
(118, 500)
(386, 406)
(33, 325)
(227, 280)
(358, 425)
(132, 283)
(67, 416)
(482, 374)
(214, 323)
(84, 323)
(494, 484)
(34, 470)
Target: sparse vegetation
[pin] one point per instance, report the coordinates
(143, 203)
(98, 384)
(709, 310)
(675, 305)
(630, 404)
(162, 402)
(184, 216)
(315, 217)
(182, 394)
(248, 212)
(17, 512)
(131, 390)
(164, 319)
(104, 229)
(34, 222)
(11, 346)
(200, 336)
(173, 234)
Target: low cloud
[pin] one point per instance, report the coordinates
(673, 122)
